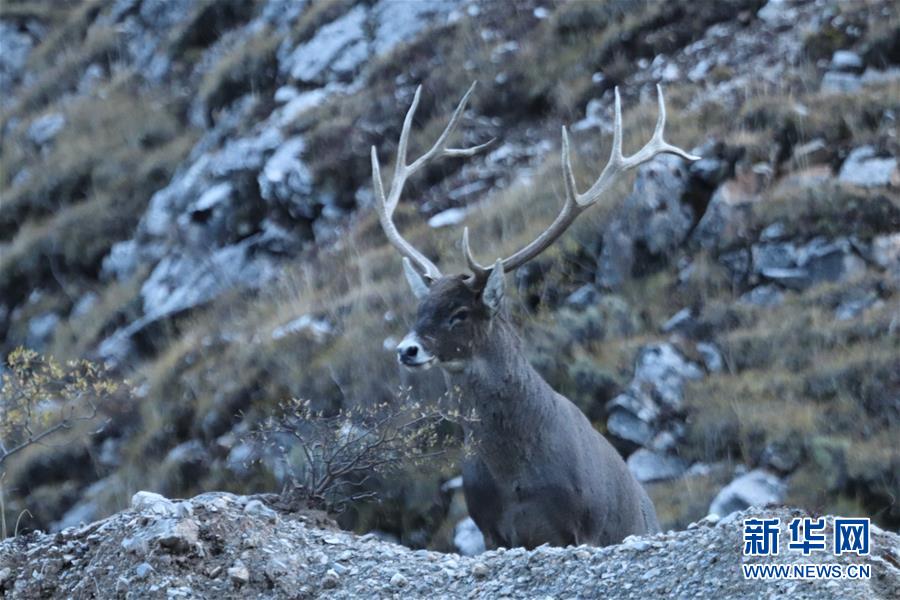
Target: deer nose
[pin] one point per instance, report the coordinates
(408, 348)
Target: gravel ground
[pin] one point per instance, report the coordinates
(219, 545)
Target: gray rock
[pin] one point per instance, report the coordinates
(121, 262)
(841, 83)
(727, 217)
(583, 297)
(15, 46)
(766, 295)
(467, 538)
(155, 504)
(662, 369)
(342, 41)
(286, 181)
(865, 169)
(143, 570)
(84, 305)
(845, 60)
(813, 152)
(399, 580)
(793, 278)
(712, 358)
(398, 21)
(318, 328)
(680, 320)
(256, 508)
(648, 466)
(774, 255)
(653, 217)
(45, 128)
(757, 488)
(447, 218)
(238, 573)
(628, 427)
(41, 330)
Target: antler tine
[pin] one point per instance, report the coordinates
(385, 204)
(479, 272)
(576, 203)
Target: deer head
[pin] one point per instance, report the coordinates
(455, 312)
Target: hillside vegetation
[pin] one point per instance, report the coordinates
(185, 195)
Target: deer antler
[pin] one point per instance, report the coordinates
(576, 203)
(385, 205)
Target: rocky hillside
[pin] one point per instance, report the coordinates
(220, 545)
(185, 195)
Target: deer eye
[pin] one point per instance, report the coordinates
(458, 316)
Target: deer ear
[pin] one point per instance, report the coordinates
(416, 282)
(492, 295)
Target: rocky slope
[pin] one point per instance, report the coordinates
(186, 195)
(219, 545)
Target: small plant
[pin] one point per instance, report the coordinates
(329, 457)
(40, 399)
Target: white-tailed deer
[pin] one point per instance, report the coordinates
(539, 472)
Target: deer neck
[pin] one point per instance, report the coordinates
(505, 403)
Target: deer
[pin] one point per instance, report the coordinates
(538, 472)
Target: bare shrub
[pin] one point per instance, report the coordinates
(330, 457)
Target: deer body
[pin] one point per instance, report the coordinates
(538, 471)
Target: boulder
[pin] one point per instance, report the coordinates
(653, 221)
(865, 168)
(648, 466)
(757, 488)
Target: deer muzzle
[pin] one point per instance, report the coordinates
(411, 353)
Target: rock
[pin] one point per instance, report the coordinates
(41, 330)
(886, 250)
(845, 60)
(766, 295)
(467, 538)
(813, 152)
(257, 509)
(712, 358)
(841, 83)
(662, 369)
(398, 20)
(626, 426)
(826, 260)
(774, 255)
(757, 488)
(399, 580)
(84, 305)
(286, 181)
(238, 573)
(583, 297)
(319, 329)
(795, 279)
(292, 558)
(15, 46)
(609, 316)
(653, 220)
(143, 570)
(330, 580)
(44, 129)
(727, 217)
(648, 466)
(337, 48)
(155, 504)
(121, 262)
(709, 170)
(447, 218)
(480, 570)
(680, 320)
(865, 169)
